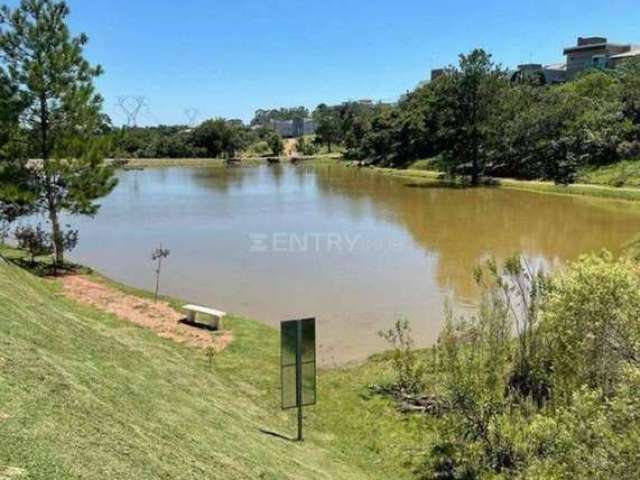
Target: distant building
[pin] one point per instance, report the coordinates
(588, 53)
(555, 73)
(621, 58)
(594, 52)
(293, 128)
(309, 127)
(544, 74)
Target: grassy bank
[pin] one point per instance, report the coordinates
(621, 174)
(84, 394)
(134, 163)
(583, 189)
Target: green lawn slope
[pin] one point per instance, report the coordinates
(84, 394)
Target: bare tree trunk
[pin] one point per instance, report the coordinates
(56, 234)
(158, 279)
(52, 207)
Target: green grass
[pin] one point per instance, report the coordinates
(84, 394)
(621, 174)
(425, 164)
(182, 162)
(136, 163)
(586, 190)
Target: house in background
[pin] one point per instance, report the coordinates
(622, 58)
(293, 128)
(545, 74)
(588, 53)
(597, 52)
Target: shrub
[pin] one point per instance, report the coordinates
(408, 367)
(34, 240)
(38, 242)
(259, 149)
(305, 147)
(276, 144)
(592, 324)
(582, 347)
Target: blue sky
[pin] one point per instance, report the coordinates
(228, 58)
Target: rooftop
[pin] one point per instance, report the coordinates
(593, 43)
(556, 66)
(634, 52)
(594, 46)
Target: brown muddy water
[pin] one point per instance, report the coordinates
(355, 249)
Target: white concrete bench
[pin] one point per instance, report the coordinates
(216, 315)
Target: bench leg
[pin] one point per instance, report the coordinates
(191, 317)
(215, 323)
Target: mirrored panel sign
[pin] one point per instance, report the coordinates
(298, 362)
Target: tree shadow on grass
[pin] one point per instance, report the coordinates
(435, 185)
(445, 183)
(41, 266)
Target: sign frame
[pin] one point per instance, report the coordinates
(298, 343)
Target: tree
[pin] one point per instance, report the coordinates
(381, 140)
(62, 112)
(263, 117)
(219, 136)
(467, 97)
(276, 144)
(328, 126)
(13, 150)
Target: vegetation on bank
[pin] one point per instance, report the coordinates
(621, 174)
(84, 394)
(422, 172)
(557, 401)
(477, 120)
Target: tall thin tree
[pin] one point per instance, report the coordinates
(63, 112)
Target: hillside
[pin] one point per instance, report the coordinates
(84, 394)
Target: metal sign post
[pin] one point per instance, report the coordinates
(298, 365)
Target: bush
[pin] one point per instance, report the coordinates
(582, 349)
(38, 242)
(34, 240)
(409, 369)
(305, 147)
(276, 144)
(258, 149)
(592, 324)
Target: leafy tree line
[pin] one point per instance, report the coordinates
(475, 120)
(211, 139)
(264, 116)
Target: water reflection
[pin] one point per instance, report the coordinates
(384, 247)
(466, 226)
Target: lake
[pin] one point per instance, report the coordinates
(353, 248)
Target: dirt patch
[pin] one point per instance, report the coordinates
(290, 147)
(9, 473)
(4, 416)
(158, 316)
